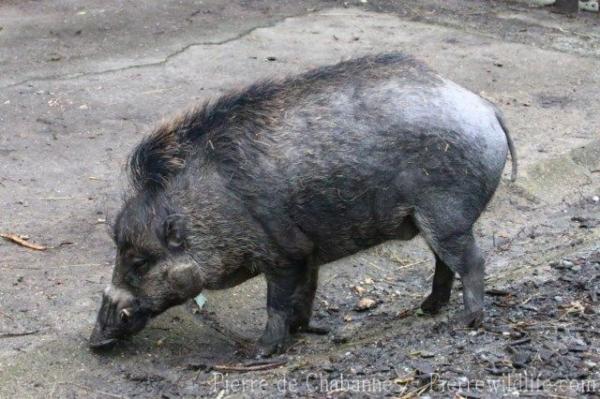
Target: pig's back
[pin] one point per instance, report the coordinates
(367, 133)
(349, 154)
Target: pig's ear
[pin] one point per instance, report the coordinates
(173, 233)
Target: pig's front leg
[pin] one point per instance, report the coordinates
(281, 286)
(304, 297)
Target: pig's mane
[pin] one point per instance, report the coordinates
(221, 123)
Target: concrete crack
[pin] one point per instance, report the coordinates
(164, 61)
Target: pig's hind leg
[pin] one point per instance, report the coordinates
(450, 236)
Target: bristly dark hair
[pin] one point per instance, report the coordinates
(163, 154)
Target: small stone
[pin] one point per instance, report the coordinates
(359, 290)
(520, 359)
(461, 382)
(558, 298)
(327, 366)
(368, 281)
(575, 347)
(590, 364)
(365, 304)
(596, 199)
(567, 263)
(333, 308)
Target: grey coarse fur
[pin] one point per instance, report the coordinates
(289, 174)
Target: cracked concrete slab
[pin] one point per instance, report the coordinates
(70, 38)
(64, 138)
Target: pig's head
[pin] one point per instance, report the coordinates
(154, 269)
(181, 231)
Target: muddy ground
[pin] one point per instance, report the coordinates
(82, 81)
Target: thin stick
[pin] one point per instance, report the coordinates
(18, 334)
(112, 395)
(18, 240)
(208, 320)
(255, 366)
(7, 315)
(412, 264)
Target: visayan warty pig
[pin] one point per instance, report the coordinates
(287, 175)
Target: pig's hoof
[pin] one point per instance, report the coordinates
(433, 303)
(263, 351)
(471, 319)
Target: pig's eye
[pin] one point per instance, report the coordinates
(138, 262)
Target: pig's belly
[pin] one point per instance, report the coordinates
(335, 239)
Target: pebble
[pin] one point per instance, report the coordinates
(359, 290)
(567, 263)
(365, 304)
(520, 359)
(590, 364)
(461, 382)
(596, 199)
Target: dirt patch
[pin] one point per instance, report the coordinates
(539, 339)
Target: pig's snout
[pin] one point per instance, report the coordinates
(120, 315)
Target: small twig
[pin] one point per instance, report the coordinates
(7, 315)
(520, 341)
(375, 266)
(55, 266)
(405, 313)
(207, 319)
(18, 240)
(88, 389)
(412, 264)
(497, 292)
(79, 265)
(18, 334)
(418, 392)
(57, 198)
(253, 366)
